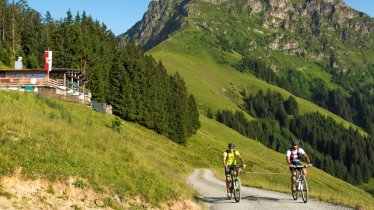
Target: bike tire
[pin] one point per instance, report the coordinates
(237, 190)
(304, 191)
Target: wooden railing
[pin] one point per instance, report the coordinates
(44, 82)
(74, 99)
(29, 81)
(55, 82)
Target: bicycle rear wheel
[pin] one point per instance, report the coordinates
(237, 190)
(304, 190)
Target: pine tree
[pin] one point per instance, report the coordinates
(209, 113)
(192, 116)
(291, 105)
(178, 128)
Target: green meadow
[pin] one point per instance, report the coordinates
(55, 140)
(211, 77)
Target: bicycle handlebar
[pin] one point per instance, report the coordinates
(235, 166)
(301, 166)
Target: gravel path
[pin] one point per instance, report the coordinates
(213, 193)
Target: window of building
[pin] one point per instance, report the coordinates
(15, 75)
(39, 75)
(35, 76)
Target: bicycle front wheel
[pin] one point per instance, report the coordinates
(304, 190)
(237, 190)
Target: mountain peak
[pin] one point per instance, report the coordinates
(319, 17)
(162, 18)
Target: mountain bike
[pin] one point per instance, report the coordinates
(234, 184)
(301, 185)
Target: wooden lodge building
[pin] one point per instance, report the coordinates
(61, 83)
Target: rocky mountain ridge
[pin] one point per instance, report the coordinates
(164, 17)
(161, 19)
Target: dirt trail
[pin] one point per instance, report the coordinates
(213, 193)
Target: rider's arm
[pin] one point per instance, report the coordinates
(288, 160)
(241, 159)
(307, 158)
(224, 159)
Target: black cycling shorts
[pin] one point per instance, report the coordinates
(228, 169)
(295, 164)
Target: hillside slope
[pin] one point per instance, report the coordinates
(57, 140)
(316, 30)
(318, 50)
(210, 74)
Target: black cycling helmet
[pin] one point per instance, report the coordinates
(295, 142)
(231, 145)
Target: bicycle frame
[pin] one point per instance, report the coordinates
(301, 185)
(234, 183)
(299, 178)
(233, 173)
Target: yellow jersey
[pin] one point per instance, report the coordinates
(231, 157)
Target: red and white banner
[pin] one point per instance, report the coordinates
(48, 61)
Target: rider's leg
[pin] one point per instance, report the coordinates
(304, 172)
(227, 182)
(293, 179)
(227, 173)
(238, 171)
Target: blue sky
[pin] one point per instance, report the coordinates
(120, 15)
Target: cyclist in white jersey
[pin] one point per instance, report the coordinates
(293, 156)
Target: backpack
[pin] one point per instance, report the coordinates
(227, 157)
(298, 155)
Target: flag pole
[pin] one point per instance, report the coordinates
(48, 69)
(48, 63)
(46, 66)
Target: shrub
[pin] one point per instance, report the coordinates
(117, 125)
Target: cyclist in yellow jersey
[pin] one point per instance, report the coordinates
(229, 159)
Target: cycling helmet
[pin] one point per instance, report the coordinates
(231, 145)
(295, 142)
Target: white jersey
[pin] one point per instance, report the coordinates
(295, 154)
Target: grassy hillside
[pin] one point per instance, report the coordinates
(232, 22)
(57, 140)
(267, 169)
(210, 75)
(368, 187)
